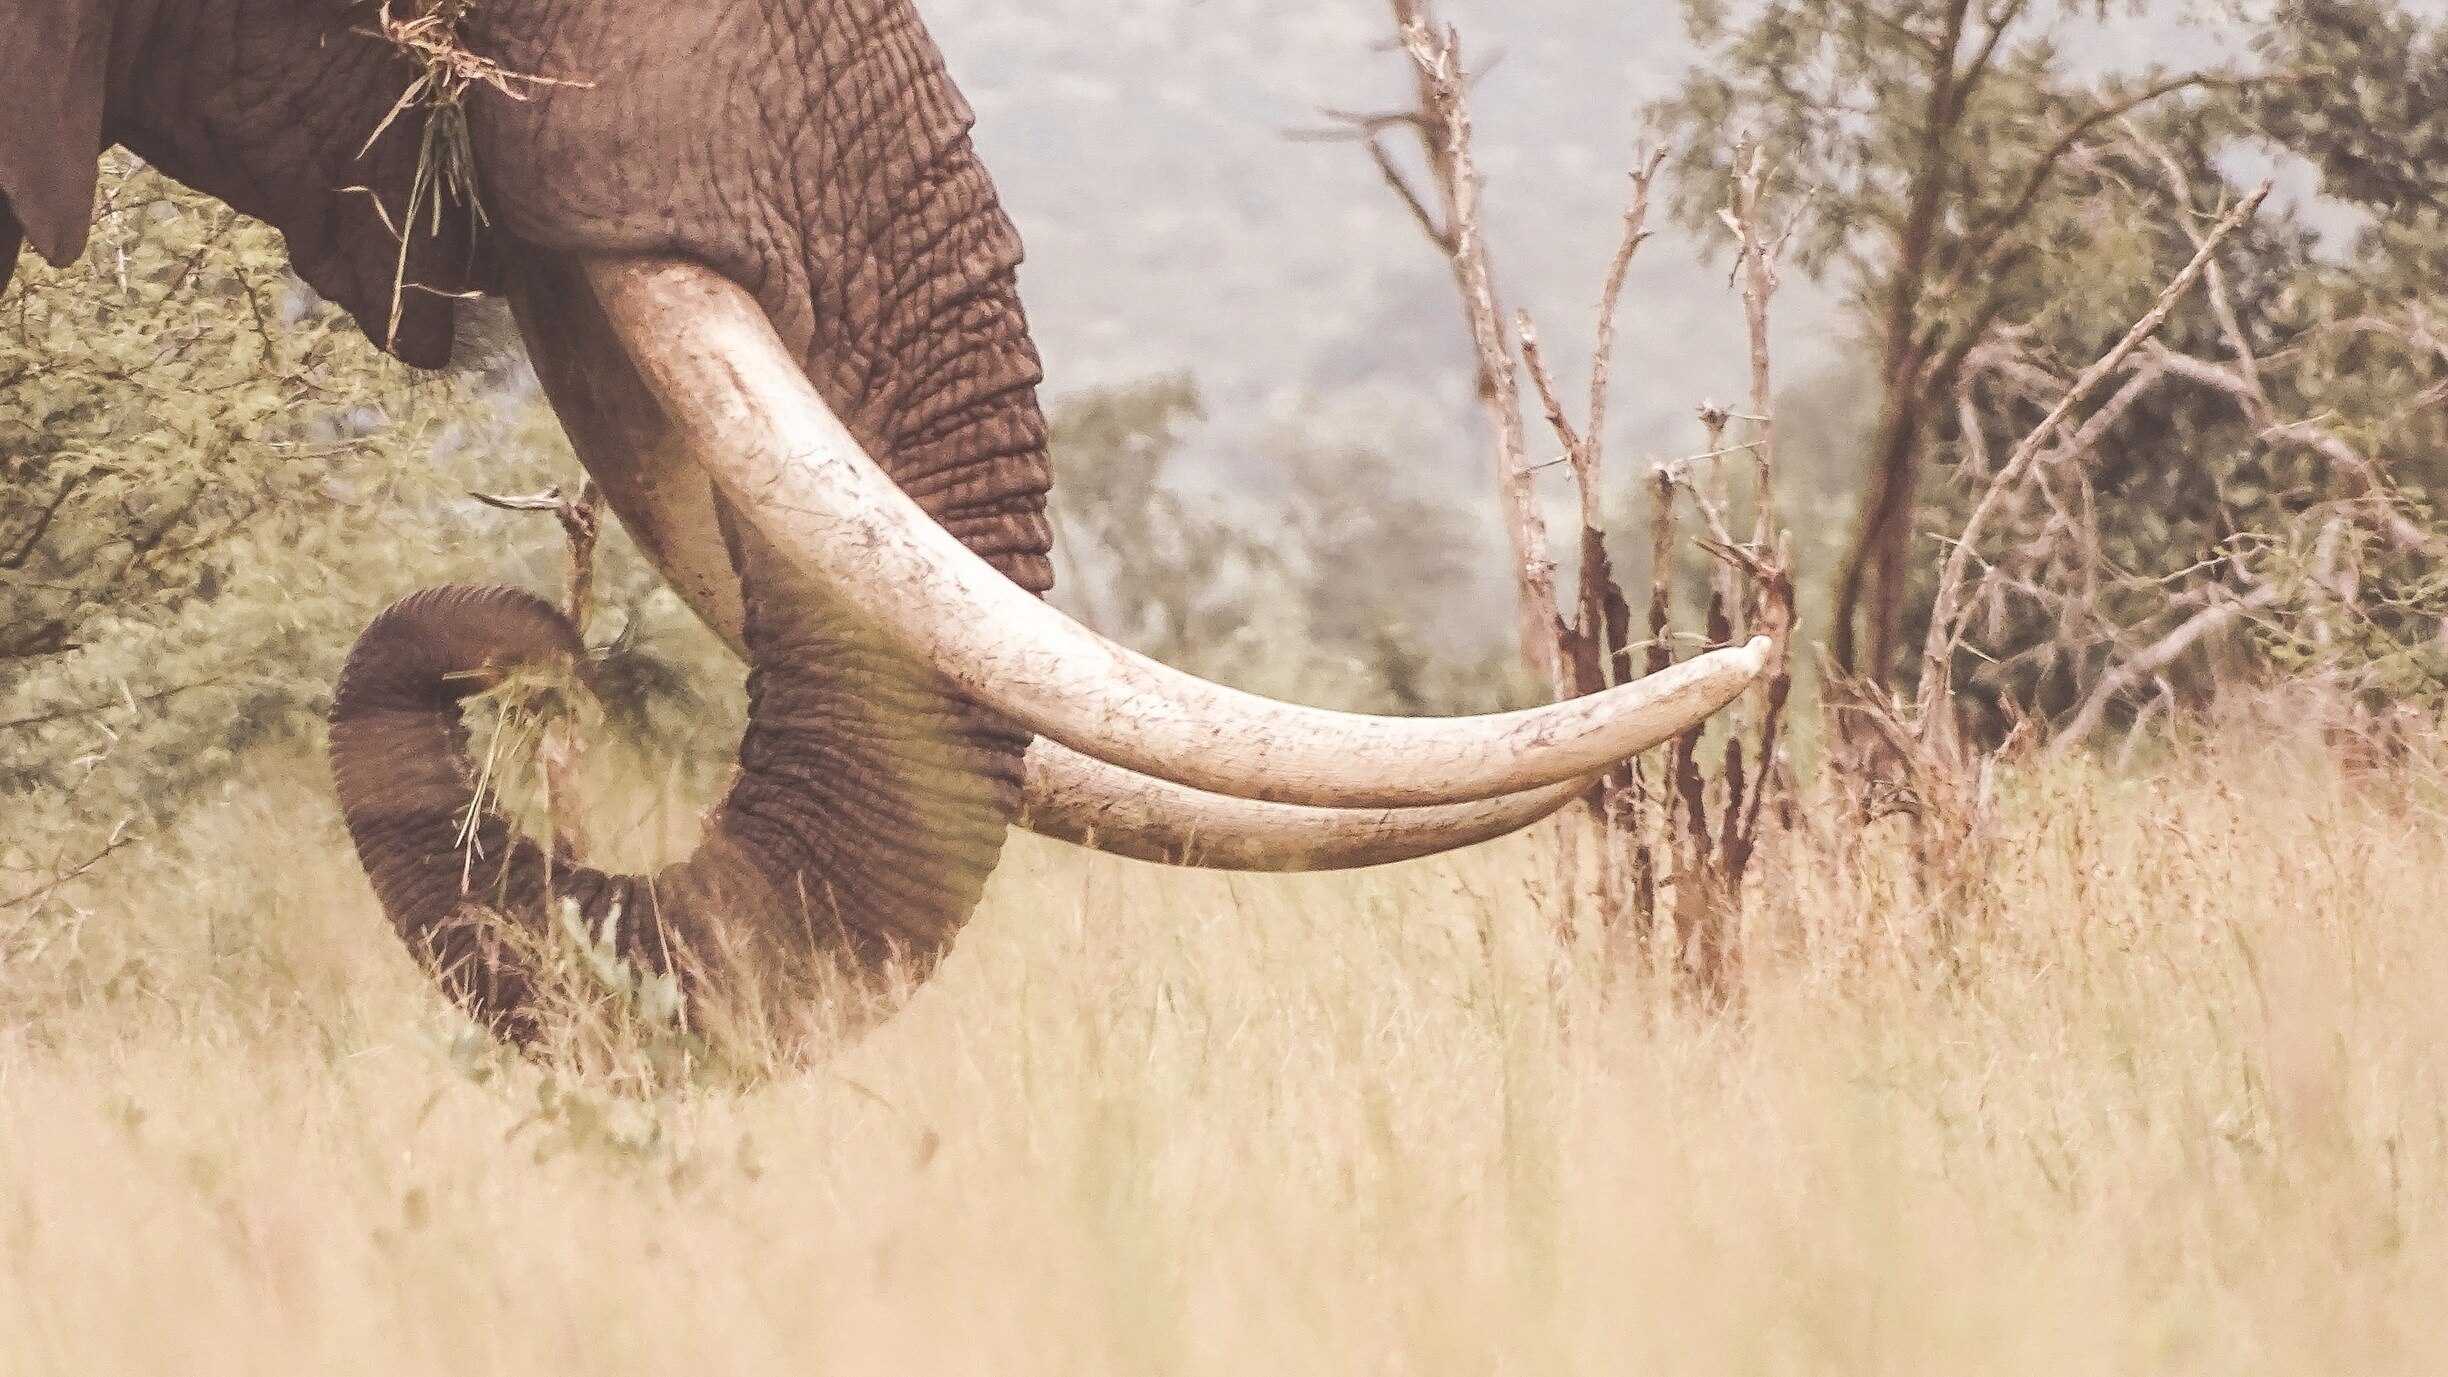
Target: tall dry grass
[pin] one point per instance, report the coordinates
(2170, 1095)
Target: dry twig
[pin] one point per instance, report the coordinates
(561, 749)
(1449, 216)
(63, 872)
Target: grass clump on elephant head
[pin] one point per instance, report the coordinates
(447, 70)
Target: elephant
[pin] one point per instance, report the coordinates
(771, 294)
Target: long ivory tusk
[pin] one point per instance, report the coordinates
(760, 429)
(1081, 799)
(664, 500)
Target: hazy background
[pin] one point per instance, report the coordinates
(1172, 224)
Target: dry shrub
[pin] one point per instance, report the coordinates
(1657, 858)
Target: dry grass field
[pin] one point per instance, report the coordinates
(2171, 1096)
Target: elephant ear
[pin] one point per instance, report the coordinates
(54, 60)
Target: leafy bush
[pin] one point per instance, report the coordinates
(210, 482)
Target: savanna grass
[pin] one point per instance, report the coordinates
(2175, 1099)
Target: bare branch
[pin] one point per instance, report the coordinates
(1445, 108)
(2146, 666)
(1758, 265)
(561, 750)
(1946, 625)
(1438, 234)
(17, 558)
(1610, 298)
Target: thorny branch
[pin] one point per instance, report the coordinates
(62, 872)
(581, 520)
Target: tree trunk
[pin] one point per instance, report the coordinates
(1872, 588)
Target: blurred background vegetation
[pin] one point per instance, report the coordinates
(209, 482)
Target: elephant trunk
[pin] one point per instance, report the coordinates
(877, 790)
(858, 830)
(469, 896)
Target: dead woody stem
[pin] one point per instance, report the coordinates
(1681, 842)
(563, 751)
(1450, 217)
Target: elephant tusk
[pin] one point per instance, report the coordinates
(1080, 799)
(761, 431)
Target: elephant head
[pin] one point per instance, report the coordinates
(767, 285)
